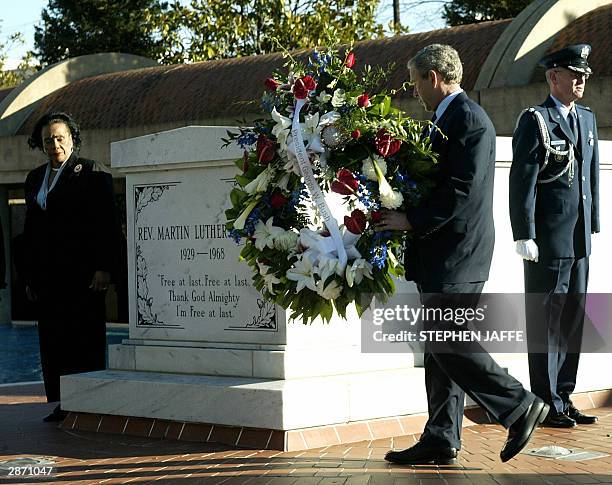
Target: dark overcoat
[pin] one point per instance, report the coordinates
(65, 245)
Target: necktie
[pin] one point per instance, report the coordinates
(573, 122)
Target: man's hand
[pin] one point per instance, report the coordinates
(392, 221)
(528, 249)
(31, 294)
(100, 281)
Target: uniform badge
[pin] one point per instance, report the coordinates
(78, 168)
(584, 53)
(559, 158)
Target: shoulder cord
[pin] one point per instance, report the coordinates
(548, 149)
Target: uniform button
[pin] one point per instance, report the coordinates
(584, 197)
(583, 178)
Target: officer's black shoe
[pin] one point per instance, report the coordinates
(520, 432)
(422, 454)
(556, 419)
(579, 417)
(56, 416)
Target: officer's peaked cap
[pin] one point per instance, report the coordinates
(573, 57)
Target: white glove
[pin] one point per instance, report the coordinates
(527, 249)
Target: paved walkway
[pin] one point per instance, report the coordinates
(88, 458)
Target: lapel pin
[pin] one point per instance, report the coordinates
(78, 168)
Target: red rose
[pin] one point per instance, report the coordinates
(278, 200)
(271, 84)
(302, 86)
(376, 215)
(356, 222)
(309, 82)
(350, 60)
(356, 134)
(346, 183)
(265, 149)
(363, 101)
(385, 144)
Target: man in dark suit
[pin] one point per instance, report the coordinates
(452, 245)
(554, 208)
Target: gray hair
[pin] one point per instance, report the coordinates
(441, 58)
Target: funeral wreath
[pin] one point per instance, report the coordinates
(330, 153)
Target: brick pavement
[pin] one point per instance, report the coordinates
(89, 458)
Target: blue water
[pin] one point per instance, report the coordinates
(19, 357)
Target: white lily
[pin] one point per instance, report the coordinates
(330, 292)
(389, 198)
(327, 266)
(303, 273)
(283, 183)
(282, 122)
(310, 123)
(291, 165)
(265, 234)
(356, 272)
(261, 182)
(269, 278)
(349, 240)
(241, 220)
(282, 137)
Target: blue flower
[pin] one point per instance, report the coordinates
(379, 256)
(246, 139)
(406, 181)
(235, 235)
(249, 225)
(261, 128)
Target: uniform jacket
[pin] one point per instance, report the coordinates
(560, 216)
(77, 234)
(454, 234)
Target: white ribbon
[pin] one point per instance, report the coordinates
(313, 187)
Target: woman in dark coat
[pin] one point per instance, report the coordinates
(70, 241)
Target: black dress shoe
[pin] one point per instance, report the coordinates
(579, 417)
(56, 416)
(556, 419)
(422, 454)
(520, 432)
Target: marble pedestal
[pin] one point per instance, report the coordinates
(203, 346)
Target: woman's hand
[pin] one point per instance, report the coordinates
(100, 281)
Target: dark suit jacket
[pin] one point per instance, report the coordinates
(76, 235)
(453, 228)
(559, 216)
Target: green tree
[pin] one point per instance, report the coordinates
(460, 12)
(13, 77)
(220, 29)
(77, 27)
(176, 31)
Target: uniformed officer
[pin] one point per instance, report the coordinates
(554, 209)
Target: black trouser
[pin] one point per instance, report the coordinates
(555, 293)
(453, 369)
(72, 336)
